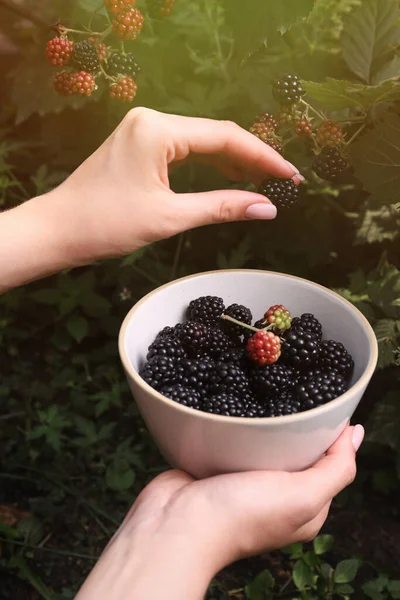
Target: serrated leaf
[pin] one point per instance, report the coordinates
(323, 544)
(92, 6)
(333, 94)
(346, 570)
(77, 327)
(302, 575)
(95, 305)
(369, 31)
(263, 19)
(261, 587)
(376, 159)
(344, 589)
(383, 426)
(378, 225)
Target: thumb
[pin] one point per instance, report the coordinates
(223, 206)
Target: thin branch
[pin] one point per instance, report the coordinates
(25, 14)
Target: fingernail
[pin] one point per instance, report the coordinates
(358, 436)
(261, 211)
(297, 177)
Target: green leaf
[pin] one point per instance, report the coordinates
(47, 296)
(119, 475)
(376, 158)
(346, 570)
(344, 589)
(77, 327)
(369, 32)
(374, 589)
(394, 588)
(94, 305)
(303, 576)
(295, 550)
(92, 6)
(323, 544)
(333, 94)
(261, 588)
(378, 225)
(327, 571)
(263, 19)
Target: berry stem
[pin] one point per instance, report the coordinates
(232, 320)
(106, 76)
(313, 109)
(357, 133)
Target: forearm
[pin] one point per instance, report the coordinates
(36, 239)
(139, 570)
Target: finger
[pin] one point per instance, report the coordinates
(335, 471)
(221, 206)
(213, 139)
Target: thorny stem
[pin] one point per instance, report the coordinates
(357, 133)
(106, 76)
(313, 109)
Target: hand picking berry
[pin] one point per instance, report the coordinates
(282, 192)
(218, 363)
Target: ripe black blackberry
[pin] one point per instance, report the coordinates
(218, 342)
(159, 371)
(227, 404)
(305, 375)
(206, 309)
(237, 355)
(330, 164)
(309, 323)
(240, 313)
(282, 192)
(256, 409)
(166, 332)
(228, 377)
(166, 346)
(333, 356)
(287, 404)
(193, 337)
(288, 90)
(195, 373)
(300, 348)
(85, 56)
(122, 64)
(271, 380)
(183, 395)
(321, 389)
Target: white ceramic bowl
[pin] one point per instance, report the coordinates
(203, 444)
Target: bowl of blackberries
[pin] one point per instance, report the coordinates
(243, 370)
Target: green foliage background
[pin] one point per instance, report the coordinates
(71, 437)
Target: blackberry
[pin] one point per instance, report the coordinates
(271, 380)
(193, 337)
(300, 348)
(83, 83)
(305, 375)
(85, 57)
(206, 309)
(287, 404)
(235, 355)
(330, 164)
(225, 404)
(240, 313)
(166, 346)
(59, 51)
(166, 332)
(276, 145)
(309, 323)
(321, 389)
(123, 90)
(218, 342)
(282, 192)
(128, 24)
(122, 64)
(256, 410)
(183, 395)
(334, 357)
(228, 377)
(330, 134)
(288, 90)
(159, 371)
(195, 373)
(304, 128)
(264, 348)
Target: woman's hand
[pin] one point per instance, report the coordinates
(181, 532)
(121, 197)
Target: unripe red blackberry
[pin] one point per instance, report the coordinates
(304, 128)
(128, 24)
(117, 6)
(63, 83)
(83, 83)
(59, 51)
(124, 91)
(330, 134)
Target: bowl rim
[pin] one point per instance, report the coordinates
(362, 381)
